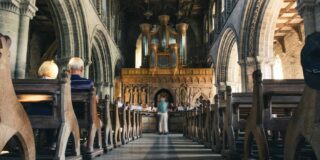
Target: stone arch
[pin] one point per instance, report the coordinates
(169, 90)
(99, 49)
(99, 62)
(267, 49)
(251, 17)
(197, 95)
(70, 21)
(228, 40)
(265, 33)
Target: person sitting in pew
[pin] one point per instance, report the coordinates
(47, 70)
(78, 83)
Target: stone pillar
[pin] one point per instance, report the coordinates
(252, 64)
(105, 89)
(111, 91)
(9, 25)
(242, 64)
(62, 64)
(99, 88)
(310, 12)
(27, 12)
(182, 40)
(87, 64)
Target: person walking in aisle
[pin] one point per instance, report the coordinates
(163, 116)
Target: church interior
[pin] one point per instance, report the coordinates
(159, 79)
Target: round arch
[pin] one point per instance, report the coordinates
(163, 92)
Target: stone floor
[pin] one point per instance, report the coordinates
(156, 147)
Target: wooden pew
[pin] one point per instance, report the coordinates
(176, 121)
(187, 125)
(208, 127)
(229, 145)
(13, 119)
(138, 122)
(85, 106)
(134, 124)
(193, 126)
(116, 126)
(129, 124)
(304, 126)
(124, 125)
(272, 94)
(149, 122)
(217, 119)
(277, 95)
(107, 129)
(55, 95)
(201, 120)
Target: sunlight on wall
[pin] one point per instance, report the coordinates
(138, 53)
(277, 68)
(234, 70)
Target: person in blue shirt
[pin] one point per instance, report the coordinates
(163, 116)
(76, 68)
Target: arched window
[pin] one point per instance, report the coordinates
(277, 68)
(223, 4)
(213, 16)
(234, 70)
(138, 53)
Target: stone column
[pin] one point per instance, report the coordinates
(242, 64)
(9, 25)
(62, 64)
(310, 12)
(105, 89)
(100, 89)
(87, 64)
(111, 91)
(252, 64)
(27, 12)
(182, 40)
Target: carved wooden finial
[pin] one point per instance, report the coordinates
(5, 43)
(257, 76)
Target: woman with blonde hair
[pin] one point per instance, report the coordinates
(48, 70)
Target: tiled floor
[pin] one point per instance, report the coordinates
(156, 147)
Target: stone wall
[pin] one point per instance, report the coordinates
(290, 59)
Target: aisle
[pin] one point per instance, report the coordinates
(156, 147)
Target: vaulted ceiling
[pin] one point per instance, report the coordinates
(179, 10)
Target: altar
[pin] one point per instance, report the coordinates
(164, 70)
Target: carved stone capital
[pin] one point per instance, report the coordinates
(250, 61)
(63, 62)
(87, 62)
(241, 62)
(28, 9)
(10, 5)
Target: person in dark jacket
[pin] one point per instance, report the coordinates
(76, 68)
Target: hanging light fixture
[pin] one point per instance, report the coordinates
(148, 13)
